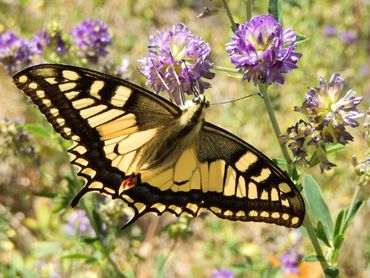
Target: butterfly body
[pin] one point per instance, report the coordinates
(134, 145)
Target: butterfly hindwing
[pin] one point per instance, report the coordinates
(227, 176)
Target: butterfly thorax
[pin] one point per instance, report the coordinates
(171, 139)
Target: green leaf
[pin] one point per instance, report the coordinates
(354, 211)
(98, 222)
(339, 222)
(301, 39)
(296, 174)
(321, 233)
(274, 8)
(38, 130)
(280, 162)
(338, 240)
(334, 148)
(310, 258)
(316, 203)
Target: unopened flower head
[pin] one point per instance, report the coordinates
(15, 53)
(176, 62)
(92, 38)
(263, 50)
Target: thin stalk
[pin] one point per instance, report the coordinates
(351, 207)
(306, 222)
(225, 69)
(275, 125)
(170, 251)
(315, 242)
(229, 15)
(249, 5)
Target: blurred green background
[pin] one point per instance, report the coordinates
(40, 237)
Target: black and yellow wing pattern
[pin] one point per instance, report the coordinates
(180, 163)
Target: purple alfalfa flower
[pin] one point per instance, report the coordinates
(78, 223)
(222, 273)
(177, 62)
(92, 38)
(263, 50)
(330, 31)
(15, 52)
(290, 261)
(51, 38)
(348, 37)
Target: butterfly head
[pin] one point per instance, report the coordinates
(201, 100)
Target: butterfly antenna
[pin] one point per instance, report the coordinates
(237, 99)
(182, 97)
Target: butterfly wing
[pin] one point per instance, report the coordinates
(225, 175)
(107, 118)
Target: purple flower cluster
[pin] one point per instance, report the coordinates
(92, 38)
(290, 261)
(222, 273)
(263, 50)
(347, 36)
(78, 223)
(177, 62)
(15, 52)
(328, 117)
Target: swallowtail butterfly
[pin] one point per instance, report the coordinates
(134, 145)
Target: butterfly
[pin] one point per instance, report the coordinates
(134, 145)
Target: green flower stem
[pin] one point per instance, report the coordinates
(306, 222)
(229, 15)
(226, 69)
(275, 125)
(350, 209)
(92, 222)
(249, 5)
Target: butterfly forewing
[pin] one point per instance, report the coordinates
(111, 120)
(107, 118)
